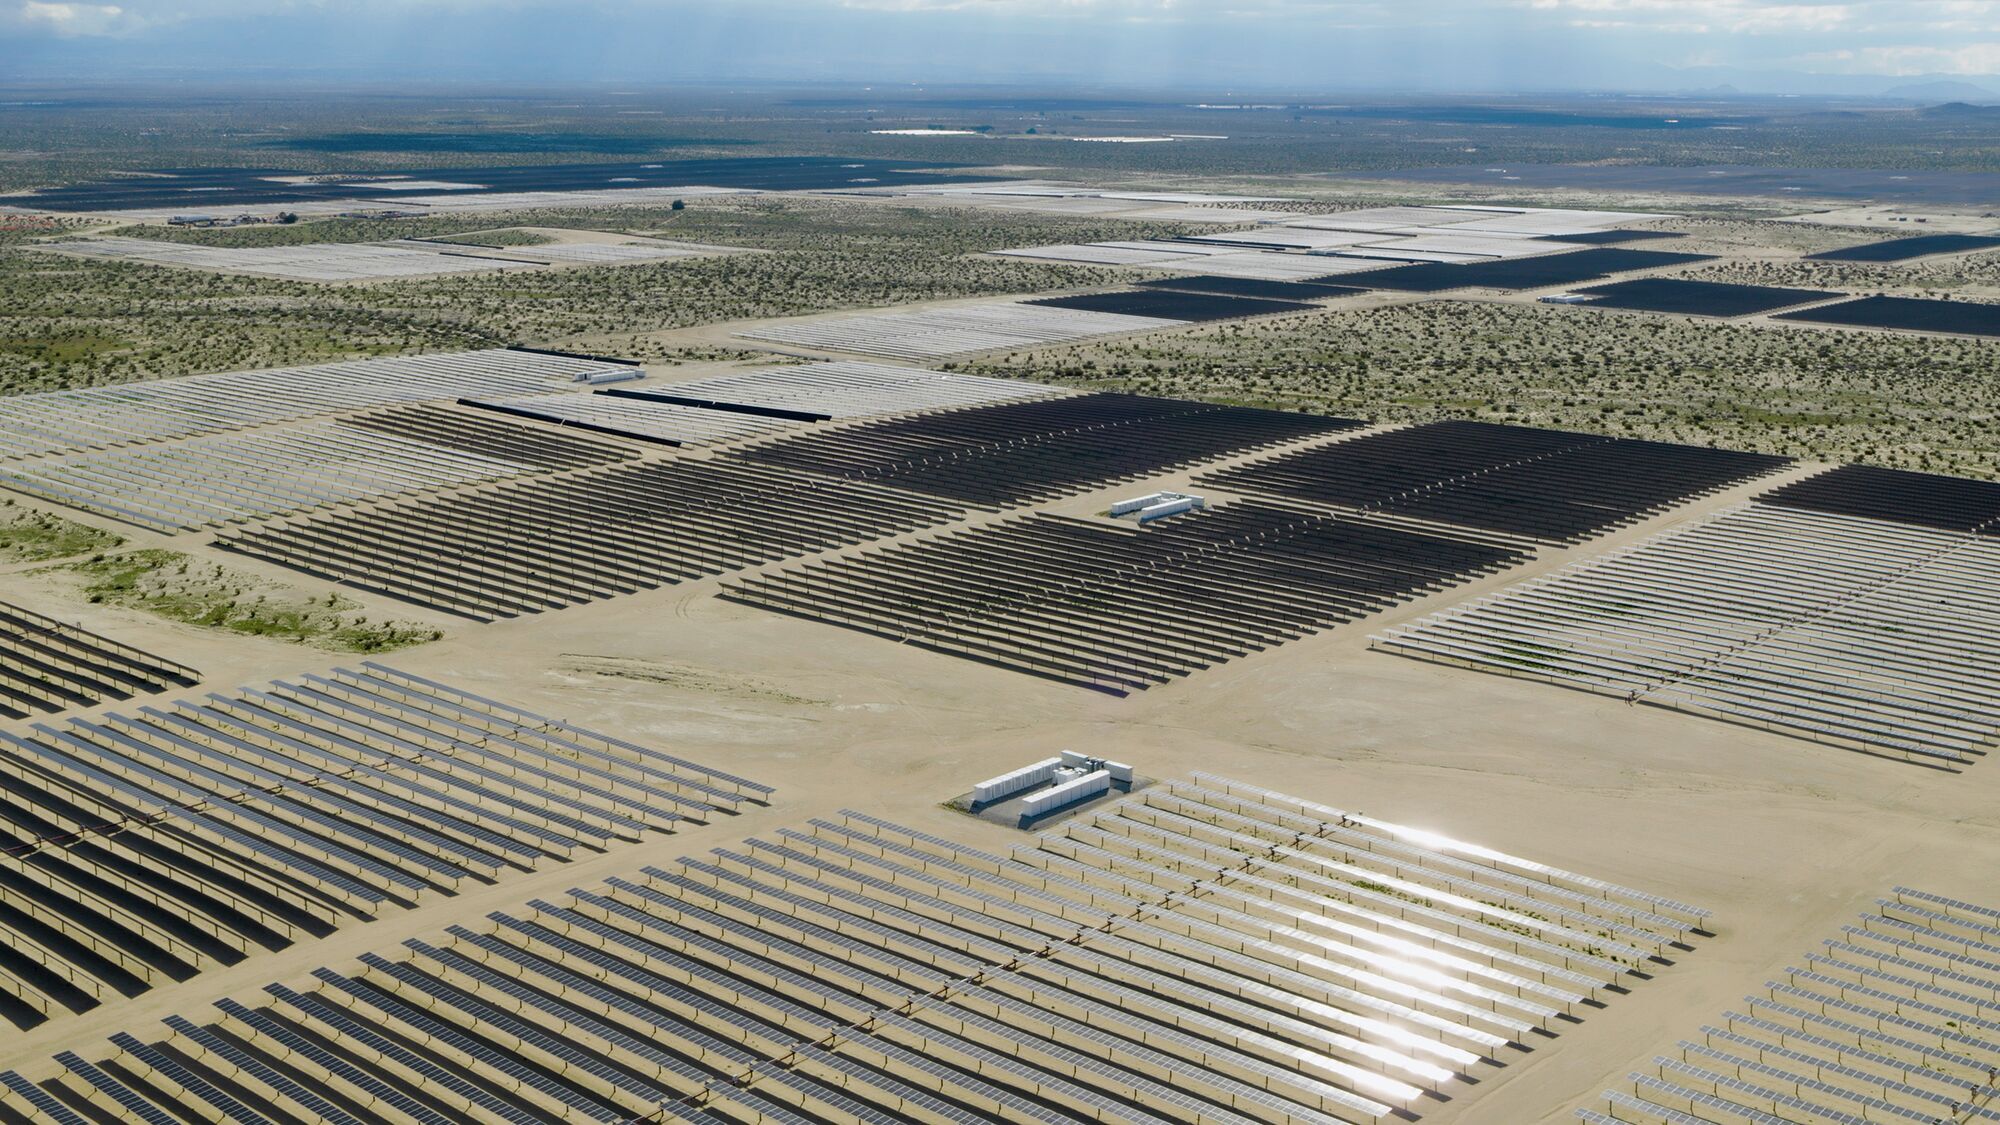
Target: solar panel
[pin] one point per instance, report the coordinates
(530, 718)
(735, 956)
(1820, 1067)
(1841, 1049)
(1859, 1031)
(159, 1062)
(354, 1031)
(139, 1108)
(597, 1068)
(1471, 849)
(1641, 1105)
(1698, 1097)
(937, 952)
(333, 1064)
(1776, 1097)
(241, 1060)
(1932, 971)
(722, 1014)
(434, 1029)
(40, 1100)
(1949, 903)
(1911, 983)
(1885, 1017)
(1888, 904)
(575, 1020)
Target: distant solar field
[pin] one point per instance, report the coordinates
(1518, 273)
(1699, 298)
(1174, 304)
(1911, 314)
(1903, 249)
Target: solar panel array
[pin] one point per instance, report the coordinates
(98, 417)
(817, 391)
(376, 261)
(322, 262)
(47, 666)
(148, 846)
(546, 543)
(1352, 241)
(1897, 1019)
(227, 478)
(934, 333)
(1205, 952)
(1908, 314)
(1545, 485)
(1122, 609)
(1897, 495)
(636, 415)
(1010, 453)
(1788, 613)
(523, 547)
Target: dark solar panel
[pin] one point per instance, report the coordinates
(1612, 237)
(1173, 304)
(1310, 290)
(1914, 314)
(1921, 499)
(1699, 298)
(1543, 484)
(1518, 273)
(1903, 249)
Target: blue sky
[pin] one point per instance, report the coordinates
(1301, 45)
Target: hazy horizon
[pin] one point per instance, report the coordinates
(1301, 46)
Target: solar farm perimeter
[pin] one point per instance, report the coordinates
(658, 831)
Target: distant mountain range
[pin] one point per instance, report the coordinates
(1963, 111)
(1943, 91)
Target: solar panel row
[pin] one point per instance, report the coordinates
(1851, 630)
(1545, 485)
(48, 665)
(1122, 609)
(98, 417)
(150, 846)
(1182, 958)
(209, 481)
(1848, 1040)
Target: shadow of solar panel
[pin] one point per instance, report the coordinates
(1911, 314)
(1519, 273)
(1254, 287)
(1014, 452)
(1699, 298)
(1903, 249)
(1611, 237)
(1122, 610)
(1548, 485)
(555, 542)
(47, 666)
(1896, 495)
(1173, 304)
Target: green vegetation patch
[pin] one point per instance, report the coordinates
(27, 535)
(171, 585)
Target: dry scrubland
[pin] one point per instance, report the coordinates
(192, 592)
(27, 535)
(1905, 401)
(66, 322)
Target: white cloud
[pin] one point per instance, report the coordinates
(1970, 58)
(1746, 17)
(78, 19)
